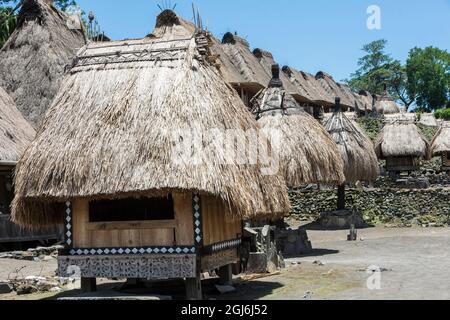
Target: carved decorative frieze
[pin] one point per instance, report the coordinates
(219, 259)
(151, 267)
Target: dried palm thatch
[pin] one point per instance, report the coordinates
(429, 120)
(401, 138)
(15, 132)
(266, 59)
(238, 52)
(33, 60)
(308, 87)
(384, 104)
(335, 89)
(366, 101)
(441, 141)
(307, 153)
(112, 130)
(357, 150)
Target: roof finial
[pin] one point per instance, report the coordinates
(337, 107)
(275, 82)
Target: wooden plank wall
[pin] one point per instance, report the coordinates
(218, 224)
(178, 232)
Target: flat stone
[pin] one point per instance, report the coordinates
(5, 288)
(225, 289)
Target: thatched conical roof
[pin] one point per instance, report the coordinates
(401, 138)
(441, 141)
(112, 131)
(384, 104)
(357, 150)
(15, 132)
(33, 60)
(307, 153)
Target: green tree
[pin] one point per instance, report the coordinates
(377, 69)
(428, 77)
(8, 15)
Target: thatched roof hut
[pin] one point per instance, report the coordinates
(441, 141)
(15, 132)
(33, 60)
(384, 104)
(401, 138)
(110, 131)
(357, 150)
(307, 153)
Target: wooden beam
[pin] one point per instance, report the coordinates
(130, 225)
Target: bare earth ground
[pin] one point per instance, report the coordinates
(415, 264)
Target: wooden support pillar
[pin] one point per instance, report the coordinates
(226, 275)
(194, 288)
(341, 197)
(88, 285)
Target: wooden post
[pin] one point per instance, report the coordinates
(341, 197)
(226, 275)
(88, 285)
(194, 288)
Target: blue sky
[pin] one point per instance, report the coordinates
(310, 35)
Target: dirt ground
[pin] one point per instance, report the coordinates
(413, 263)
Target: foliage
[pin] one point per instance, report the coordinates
(8, 24)
(442, 114)
(372, 127)
(377, 70)
(428, 77)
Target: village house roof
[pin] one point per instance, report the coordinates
(441, 141)
(111, 128)
(15, 132)
(34, 59)
(400, 137)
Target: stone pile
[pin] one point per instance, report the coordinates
(34, 254)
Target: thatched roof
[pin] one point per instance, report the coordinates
(239, 54)
(33, 60)
(335, 89)
(15, 132)
(357, 151)
(428, 119)
(266, 59)
(366, 101)
(112, 131)
(401, 138)
(441, 141)
(308, 87)
(307, 153)
(384, 104)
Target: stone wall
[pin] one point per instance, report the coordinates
(397, 207)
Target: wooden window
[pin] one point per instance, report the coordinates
(144, 209)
